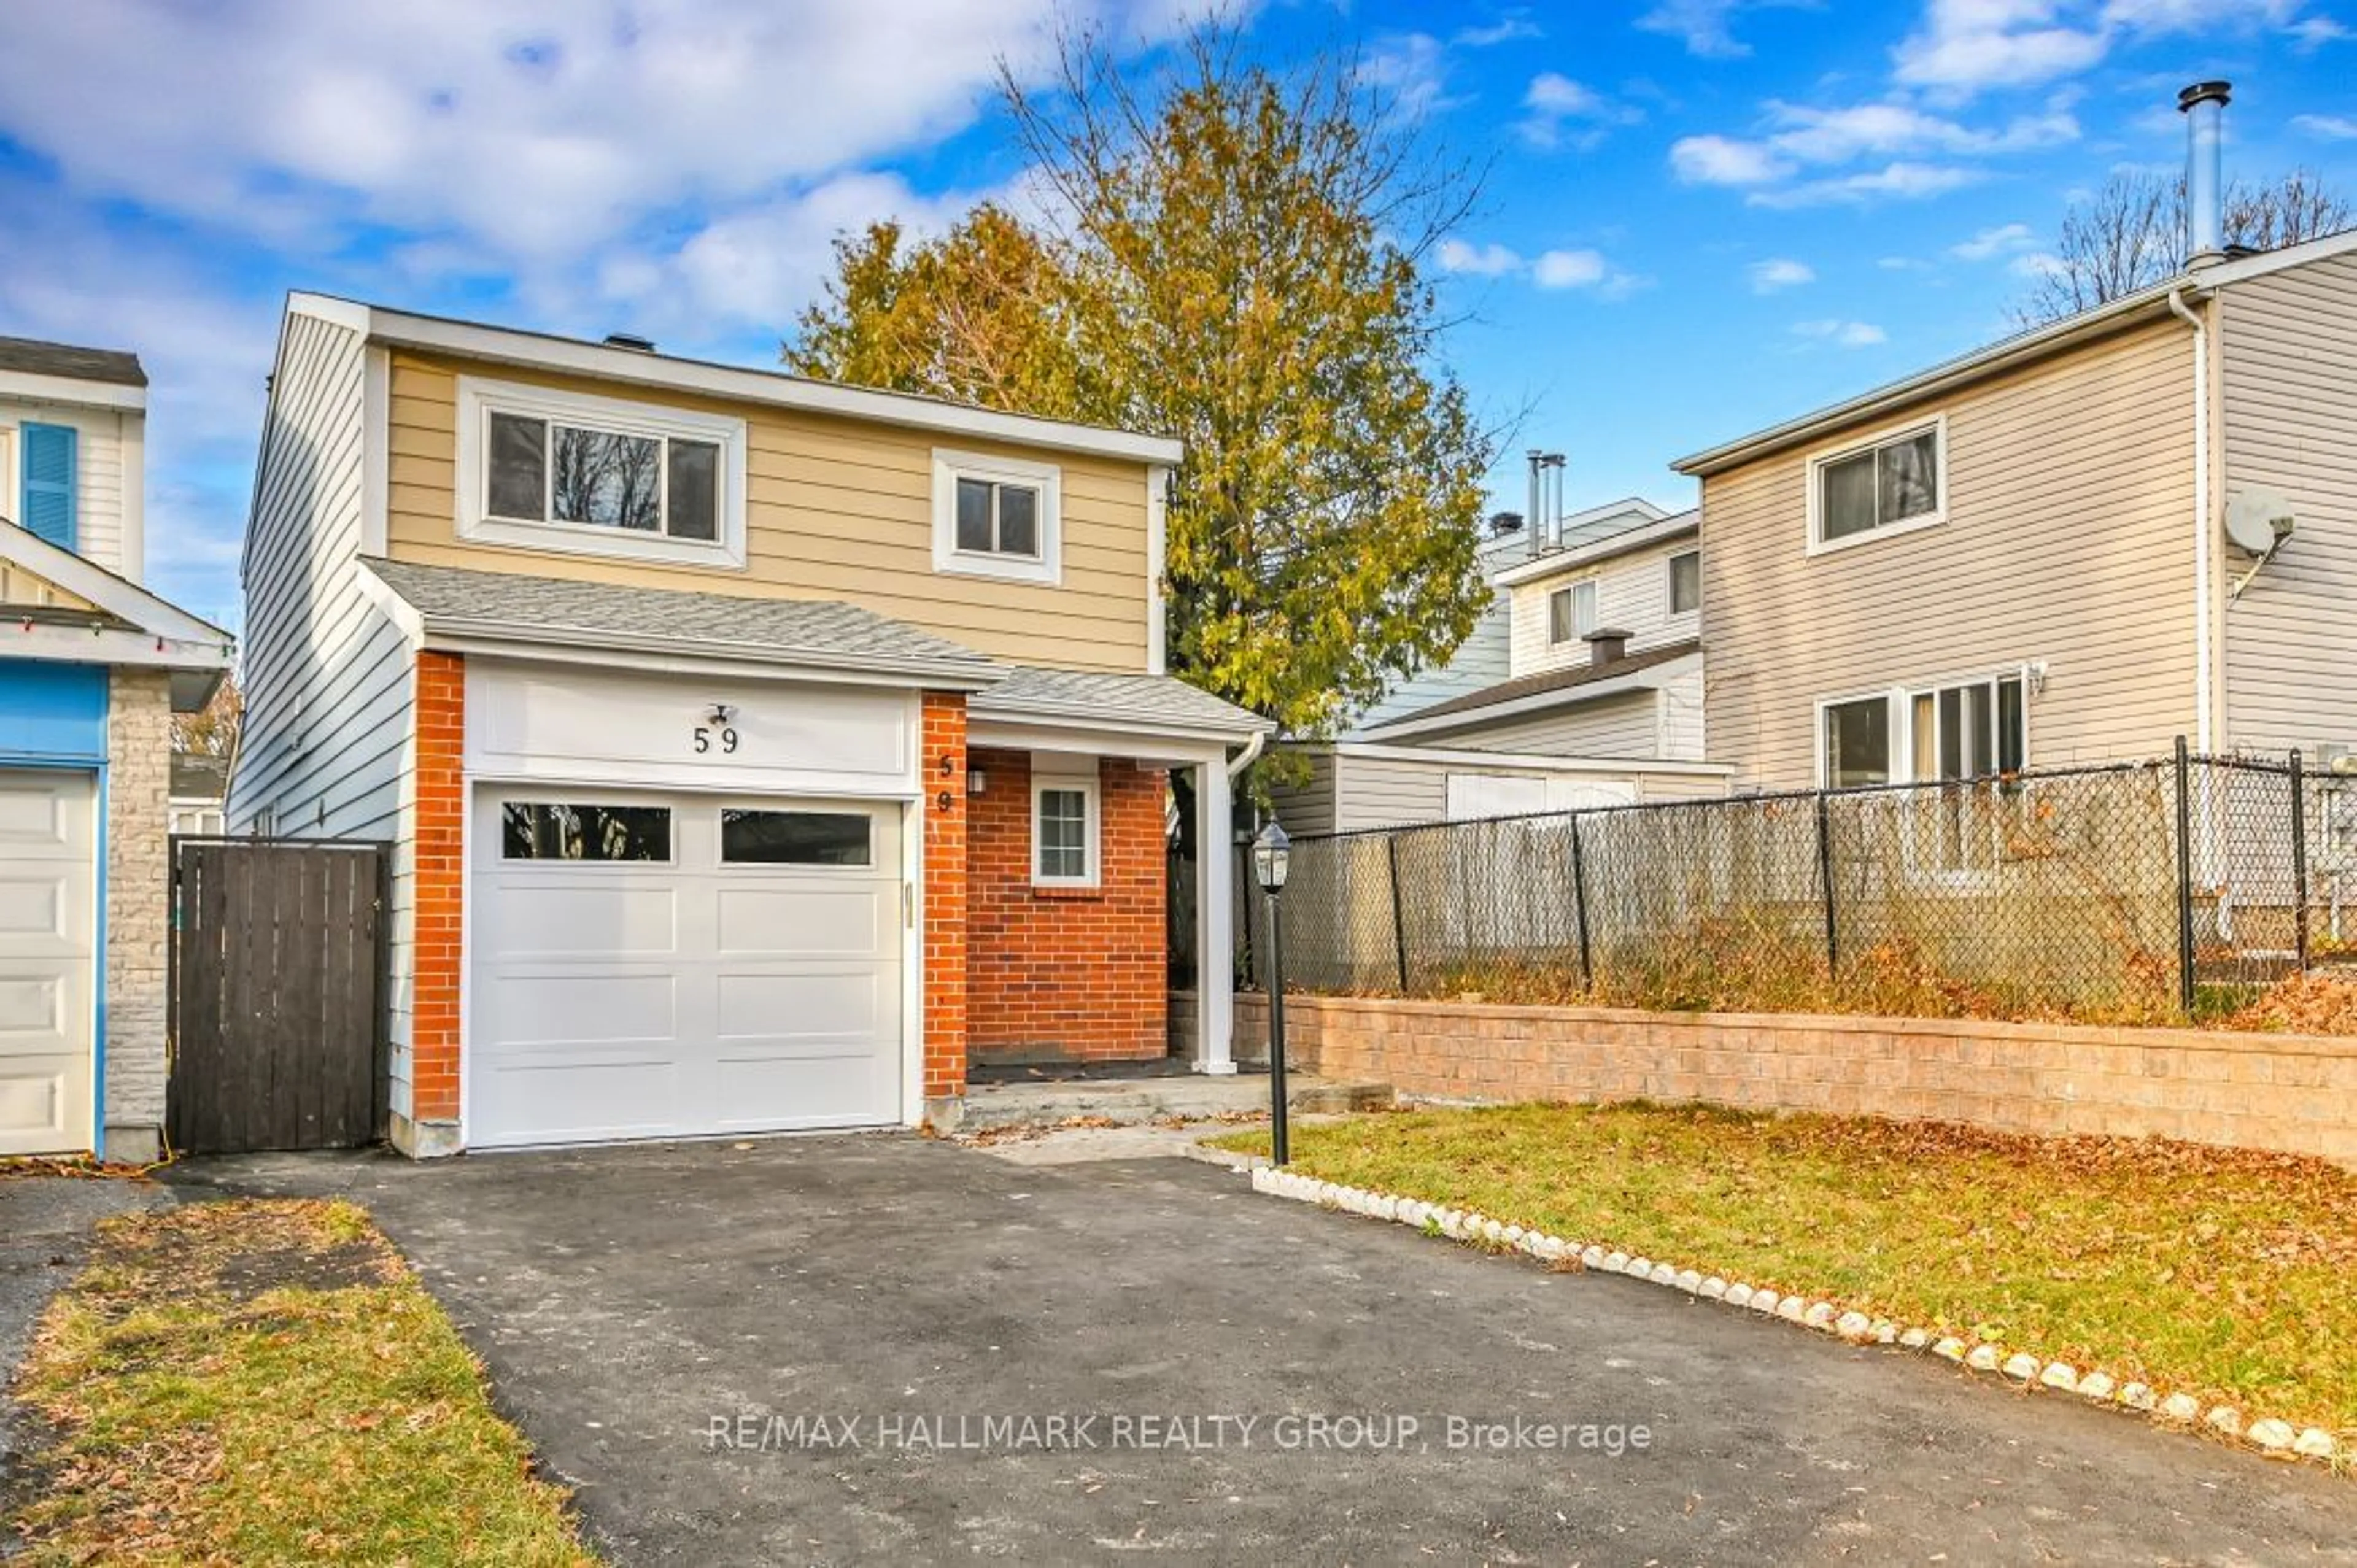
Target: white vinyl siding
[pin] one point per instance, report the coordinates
(1633, 595)
(2067, 540)
(2289, 372)
(327, 750)
(103, 438)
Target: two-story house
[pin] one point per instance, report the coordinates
(2023, 557)
(92, 667)
(1600, 701)
(755, 751)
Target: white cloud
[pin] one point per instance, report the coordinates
(1901, 181)
(1555, 103)
(1722, 160)
(1800, 135)
(1705, 26)
(1569, 269)
(1967, 44)
(1841, 334)
(2038, 264)
(1409, 72)
(2327, 127)
(2005, 240)
(1780, 273)
(1558, 269)
(2310, 34)
(1489, 260)
(536, 130)
(1506, 30)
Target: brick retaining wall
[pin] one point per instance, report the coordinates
(2292, 1094)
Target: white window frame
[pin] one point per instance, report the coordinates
(1818, 544)
(1045, 569)
(1670, 583)
(1071, 775)
(1570, 592)
(479, 399)
(1901, 701)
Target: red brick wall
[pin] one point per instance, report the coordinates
(1058, 972)
(945, 893)
(441, 814)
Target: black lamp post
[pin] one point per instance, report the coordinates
(1271, 852)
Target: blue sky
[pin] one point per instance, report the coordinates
(1701, 216)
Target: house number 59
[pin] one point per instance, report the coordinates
(705, 735)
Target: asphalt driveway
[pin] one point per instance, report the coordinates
(646, 1311)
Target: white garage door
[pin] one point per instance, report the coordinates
(48, 928)
(658, 966)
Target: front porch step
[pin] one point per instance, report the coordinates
(1194, 1098)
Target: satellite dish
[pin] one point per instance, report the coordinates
(2258, 520)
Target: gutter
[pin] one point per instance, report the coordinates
(2203, 740)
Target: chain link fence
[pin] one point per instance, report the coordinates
(2126, 893)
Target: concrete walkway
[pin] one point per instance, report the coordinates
(645, 1311)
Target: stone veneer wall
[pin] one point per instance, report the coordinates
(2288, 1093)
(138, 909)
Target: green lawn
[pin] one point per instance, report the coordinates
(2228, 1275)
(267, 1382)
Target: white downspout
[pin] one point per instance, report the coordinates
(2203, 740)
(1250, 755)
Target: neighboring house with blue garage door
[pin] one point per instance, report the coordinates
(93, 666)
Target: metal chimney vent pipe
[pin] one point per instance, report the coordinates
(2203, 104)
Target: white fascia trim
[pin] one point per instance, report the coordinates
(1651, 678)
(539, 351)
(376, 448)
(1533, 760)
(1942, 378)
(1661, 530)
(1100, 718)
(1158, 604)
(1128, 742)
(115, 595)
(105, 645)
(2299, 256)
(37, 388)
(682, 654)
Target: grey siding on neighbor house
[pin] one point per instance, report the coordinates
(2067, 540)
(1628, 724)
(1384, 792)
(327, 746)
(2290, 398)
(1307, 806)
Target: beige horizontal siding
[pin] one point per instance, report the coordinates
(835, 509)
(1628, 724)
(1633, 595)
(1384, 792)
(2289, 342)
(2067, 540)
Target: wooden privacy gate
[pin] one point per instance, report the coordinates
(278, 968)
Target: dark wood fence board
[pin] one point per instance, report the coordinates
(278, 1006)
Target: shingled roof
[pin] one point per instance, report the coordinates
(30, 356)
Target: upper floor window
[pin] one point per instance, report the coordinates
(997, 517)
(1686, 583)
(1571, 612)
(599, 475)
(1893, 482)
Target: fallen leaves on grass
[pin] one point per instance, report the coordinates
(266, 1381)
(2223, 1272)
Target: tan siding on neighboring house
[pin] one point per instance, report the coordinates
(2289, 346)
(1633, 595)
(1308, 806)
(835, 509)
(2067, 540)
(1628, 724)
(19, 586)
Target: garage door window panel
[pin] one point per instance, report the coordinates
(565, 832)
(797, 838)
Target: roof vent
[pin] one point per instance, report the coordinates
(2203, 106)
(630, 340)
(1607, 645)
(1504, 523)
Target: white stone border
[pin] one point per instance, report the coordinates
(2276, 1438)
